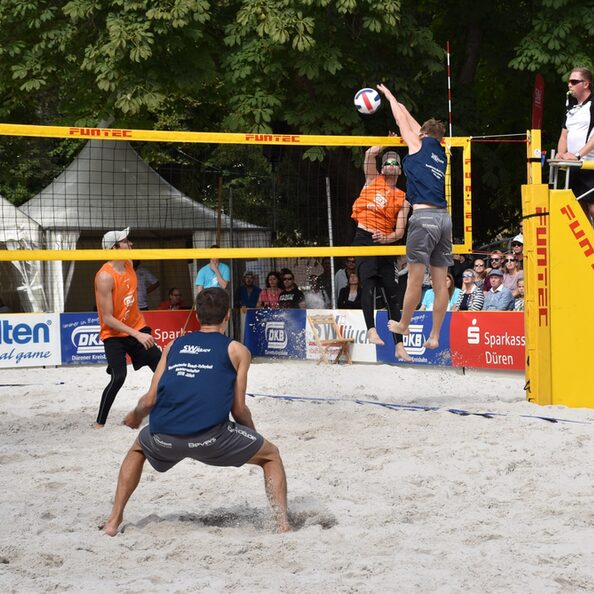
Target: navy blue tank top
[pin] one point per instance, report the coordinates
(425, 174)
(197, 387)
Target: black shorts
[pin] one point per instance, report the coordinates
(117, 347)
(227, 444)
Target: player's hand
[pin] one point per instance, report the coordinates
(132, 420)
(146, 340)
(386, 92)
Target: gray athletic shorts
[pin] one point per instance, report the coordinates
(429, 239)
(227, 444)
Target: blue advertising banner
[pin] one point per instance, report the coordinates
(80, 339)
(276, 333)
(420, 327)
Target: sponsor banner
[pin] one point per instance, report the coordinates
(80, 333)
(276, 333)
(168, 324)
(492, 340)
(29, 340)
(352, 324)
(420, 328)
(80, 339)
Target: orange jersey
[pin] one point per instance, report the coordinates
(124, 298)
(378, 205)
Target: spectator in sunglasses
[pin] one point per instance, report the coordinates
(517, 247)
(471, 298)
(511, 274)
(291, 297)
(496, 262)
(480, 270)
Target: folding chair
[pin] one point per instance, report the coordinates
(325, 344)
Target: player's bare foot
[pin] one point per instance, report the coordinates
(111, 526)
(99, 426)
(373, 337)
(398, 328)
(431, 343)
(402, 354)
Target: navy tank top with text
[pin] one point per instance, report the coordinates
(425, 174)
(197, 387)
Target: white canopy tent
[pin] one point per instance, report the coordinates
(20, 232)
(108, 186)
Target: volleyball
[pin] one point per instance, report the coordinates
(367, 101)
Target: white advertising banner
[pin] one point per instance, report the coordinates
(352, 324)
(30, 340)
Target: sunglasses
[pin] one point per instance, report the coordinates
(510, 260)
(468, 276)
(575, 81)
(495, 259)
(515, 244)
(392, 162)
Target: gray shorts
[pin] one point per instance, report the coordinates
(227, 444)
(429, 239)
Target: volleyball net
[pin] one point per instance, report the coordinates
(269, 201)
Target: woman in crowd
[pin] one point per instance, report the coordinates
(471, 298)
(349, 297)
(480, 269)
(511, 274)
(429, 298)
(269, 295)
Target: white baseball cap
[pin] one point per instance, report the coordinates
(112, 237)
(519, 239)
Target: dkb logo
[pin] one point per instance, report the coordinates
(276, 336)
(414, 343)
(86, 340)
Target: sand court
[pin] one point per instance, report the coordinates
(381, 499)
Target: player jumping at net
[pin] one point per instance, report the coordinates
(123, 329)
(429, 240)
(200, 380)
(381, 211)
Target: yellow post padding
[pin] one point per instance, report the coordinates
(572, 288)
(559, 279)
(535, 201)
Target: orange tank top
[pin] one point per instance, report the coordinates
(378, 205)
(124, 298)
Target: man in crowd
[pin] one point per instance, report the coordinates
(213, 274)
(341, 278)
(147, 283)
(498, 297)
(517, 246)
(174, 301)
(201, 379)
(576, 142)
(123, 329)
(497, 263)
(248, 293)
(291, 296)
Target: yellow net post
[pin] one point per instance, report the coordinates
(559, 273)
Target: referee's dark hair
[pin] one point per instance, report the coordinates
(212, 306)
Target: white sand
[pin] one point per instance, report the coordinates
(382, 500)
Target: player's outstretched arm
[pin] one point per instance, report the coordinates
(241, 359)
(409, 127)
(147, 401)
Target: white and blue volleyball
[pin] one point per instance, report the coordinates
(367, 101)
